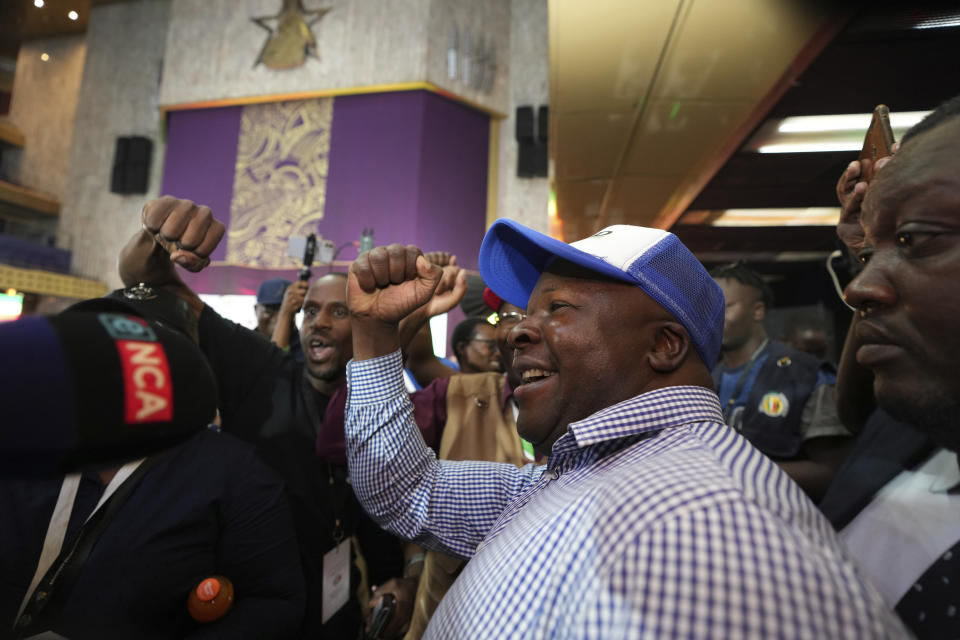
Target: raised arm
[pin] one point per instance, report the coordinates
(293, 299)
(181, 233)
(174, 231)
(449, 506)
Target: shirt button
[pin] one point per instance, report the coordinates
(551, 475)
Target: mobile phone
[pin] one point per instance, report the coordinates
(381, 615)
(310, 249)
(878, 142)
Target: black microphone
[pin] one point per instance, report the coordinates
(308, 253)
(95, 388)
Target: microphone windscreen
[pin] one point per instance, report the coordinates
(91, 387)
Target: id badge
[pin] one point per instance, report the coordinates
(336, 579)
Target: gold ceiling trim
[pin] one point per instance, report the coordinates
(332, 93)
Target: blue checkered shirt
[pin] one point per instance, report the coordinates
(652, 519)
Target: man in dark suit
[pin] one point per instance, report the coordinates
(152, 503)
(897, 501)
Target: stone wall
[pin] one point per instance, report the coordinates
(43, 107)
(213, 46)
(480, 32)
(118, 97)
(524, 199)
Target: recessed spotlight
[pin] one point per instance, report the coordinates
(38, 4)
(44, 56)
(73, 15)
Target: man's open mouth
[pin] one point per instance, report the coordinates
(535, 375)
(320, 350)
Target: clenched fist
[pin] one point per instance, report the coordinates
(386, 284)
(188, 232)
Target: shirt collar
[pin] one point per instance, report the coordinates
(507, 392)
(942, 466)
(652, 411)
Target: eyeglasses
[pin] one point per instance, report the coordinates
(491, 344)
(510, 316)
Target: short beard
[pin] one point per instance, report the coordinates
(329, 375)
(930, 413)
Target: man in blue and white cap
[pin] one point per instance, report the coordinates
(651, 517)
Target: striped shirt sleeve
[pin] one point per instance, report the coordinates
(445, 505)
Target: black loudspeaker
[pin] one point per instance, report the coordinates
(119, 165)
(532, 143)
(543, 124)
(525, 125)
(131, 165)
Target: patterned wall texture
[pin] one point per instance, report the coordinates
(411, 165)
(280, 180)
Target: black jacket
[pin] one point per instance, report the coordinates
(207, 506)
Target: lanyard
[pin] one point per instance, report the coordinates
(337, 496)
(57, 529)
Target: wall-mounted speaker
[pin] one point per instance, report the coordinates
(526, 129)
(131, 165)
(543, 124)
(531, 134)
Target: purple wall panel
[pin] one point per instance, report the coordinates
(200, 160)
(453, 179)
(412, 165)
(374, 168)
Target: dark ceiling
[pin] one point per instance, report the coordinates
(20, 20)
(877, 58)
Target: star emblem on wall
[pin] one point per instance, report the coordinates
(290, 38)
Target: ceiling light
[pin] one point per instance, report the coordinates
(939, 23)
(777, 217)
(819, 134)
(811, 147)
(73, 15)
(44, 56)
(847, 122)
(38, 4)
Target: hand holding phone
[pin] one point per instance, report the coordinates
(380, 616)
(877, 144)
(852, 186)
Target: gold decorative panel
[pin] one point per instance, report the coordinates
(280, 180)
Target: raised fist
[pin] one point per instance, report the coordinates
(188, 232)
(386, 284)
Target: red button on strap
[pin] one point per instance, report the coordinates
(208, 589)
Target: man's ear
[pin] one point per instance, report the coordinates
(759, 311)
(670, 347)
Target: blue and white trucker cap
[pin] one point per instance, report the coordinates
(512, 257)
